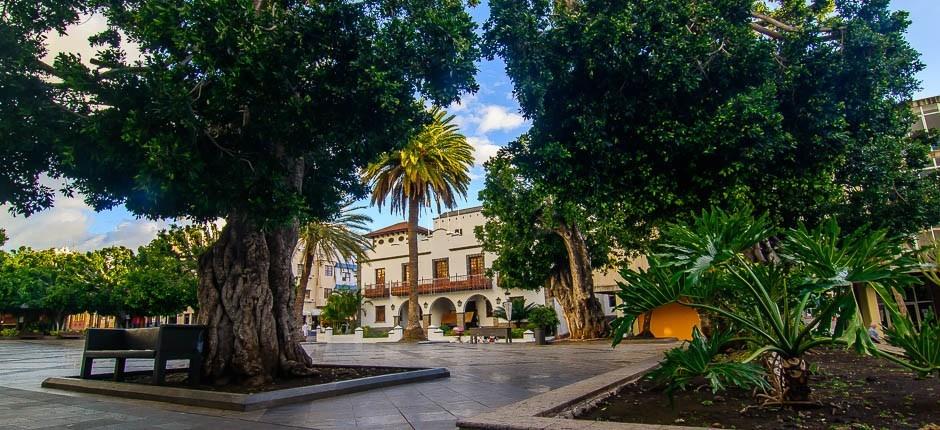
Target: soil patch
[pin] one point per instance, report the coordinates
(178, 379)
(856, 392)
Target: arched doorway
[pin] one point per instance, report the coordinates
(443, 312)
(403, 314)
(478, 312)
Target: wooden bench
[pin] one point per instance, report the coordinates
(477, 332)
(167, 342)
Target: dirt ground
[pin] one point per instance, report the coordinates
(855, 392)
(327, 375)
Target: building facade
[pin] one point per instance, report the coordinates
(326, 276)
(453, 286)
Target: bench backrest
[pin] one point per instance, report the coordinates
(141, 338)
(181, 338)
(169, 338)
(97, 339)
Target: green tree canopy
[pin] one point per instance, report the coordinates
(261, 112)
(645, 111)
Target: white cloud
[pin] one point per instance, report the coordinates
(75, 40)
(495, 117)
(465, 102)
(483, 149)
(68, 224)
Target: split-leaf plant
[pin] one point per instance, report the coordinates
(776, 288)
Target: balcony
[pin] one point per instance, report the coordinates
(430, 286)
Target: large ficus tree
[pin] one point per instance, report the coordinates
(645, 110)
(259, 112)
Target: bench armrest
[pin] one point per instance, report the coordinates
(104, 339)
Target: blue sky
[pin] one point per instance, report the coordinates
(489, 119)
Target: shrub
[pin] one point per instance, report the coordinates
(369, 332)
(9, 332)
(745, 273)
(543, 316)
(683, 367)
(517, 333)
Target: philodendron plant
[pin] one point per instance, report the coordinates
(777, 289)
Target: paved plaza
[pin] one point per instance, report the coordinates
(483, 377)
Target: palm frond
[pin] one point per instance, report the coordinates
(714, 237)
(432, 168)
(642, 291)
(921, 347)
(685, 365)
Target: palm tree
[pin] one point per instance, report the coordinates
(340, 239)
(434, 166)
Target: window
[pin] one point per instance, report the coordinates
(310, 294)
(345, 276)
(611, 300)
(458, 232)
(391, 239)
(328, 270)
(380, 276)
(404, 272)
(380, 314)
(327, 292)
(475, 265)
(441, 269)
(401, 238)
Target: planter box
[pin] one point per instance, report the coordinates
(31, 335)
(239, 401)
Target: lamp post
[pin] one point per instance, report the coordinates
(507, 306)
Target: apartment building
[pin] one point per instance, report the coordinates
(326, 276)
(453, 286)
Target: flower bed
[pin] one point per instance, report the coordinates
(855, 392)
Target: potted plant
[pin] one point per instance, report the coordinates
(543, 318)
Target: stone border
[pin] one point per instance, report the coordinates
(244, 402)
(554, 409)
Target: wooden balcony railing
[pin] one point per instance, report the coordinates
(430, 286)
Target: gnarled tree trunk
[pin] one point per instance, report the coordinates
(246, 299)
(573, 287)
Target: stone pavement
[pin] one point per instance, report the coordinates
(483, 377)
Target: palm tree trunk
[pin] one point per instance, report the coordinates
(413, 332)
(647, 331)
(302, 291)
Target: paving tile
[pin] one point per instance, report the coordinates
(381, 420)
(483, 377)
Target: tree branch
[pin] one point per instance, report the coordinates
(779, 24)
(765, 31)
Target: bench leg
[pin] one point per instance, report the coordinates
(159, 371)
(86, 367)
(119, 368)
(195, 369)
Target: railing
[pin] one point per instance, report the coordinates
(430, 286)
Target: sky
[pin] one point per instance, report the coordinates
(489, 119)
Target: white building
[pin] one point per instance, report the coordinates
(326, 276)
(452, 284)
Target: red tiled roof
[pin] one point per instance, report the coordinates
(395, 228)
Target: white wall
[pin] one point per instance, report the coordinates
(451, 237)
